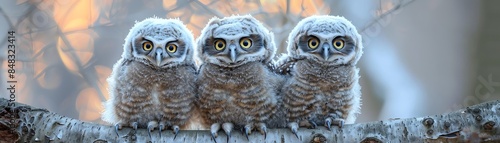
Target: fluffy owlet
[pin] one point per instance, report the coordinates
(152, 85)
(321, 61)
(236, 87)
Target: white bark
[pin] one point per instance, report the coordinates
(476, 124)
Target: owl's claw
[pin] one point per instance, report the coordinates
(328, 123)
(176, 130)
(134, 125)
(118, 126)
(294, 127)
(334, 121)
(263, 129)
(227, 127)
(248, 130)
(313, 124)
(151, 126)
(149, 133)
(246, 135)
(161, 126)
(214, 129)
(338, 122)
(214, 136)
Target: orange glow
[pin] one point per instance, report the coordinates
(88, 105)
(79, 51)
(169, 4)
(72, 15)
(197, 22)
(21, 84)
(102, 74)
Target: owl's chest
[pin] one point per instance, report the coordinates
(321, 82)
(157, 82)
(237, 85)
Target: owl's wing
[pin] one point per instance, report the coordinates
(284, 64)
(109, 114)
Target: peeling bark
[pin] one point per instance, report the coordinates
(478, 123)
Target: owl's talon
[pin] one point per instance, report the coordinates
(134, 125)
(118, 126)
(294, 131)
(149, 133)
(227, 127)
(248, 130)
(338, 122)
(214, 136)
(176, 130)
(214, 129)
(161, 126)
(328, 123)
(263, 129)
(313, 124)
(246, 135)
(294, 127)
(151, 126)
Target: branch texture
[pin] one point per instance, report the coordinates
(478, 123)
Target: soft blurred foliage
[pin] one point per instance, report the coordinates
(66, 48)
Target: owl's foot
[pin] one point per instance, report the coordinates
(161, 127)
(214, 129)
(228, 127)
(151, 126)
(294, 126)
(175, 128)
(262, 129)
(134, 125)
(336, 122)
(313, 124)
(118, 126)
(248, 130)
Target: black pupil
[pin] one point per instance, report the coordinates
(313, 43)
(148, 46)
(220, 45)
(245, 43)
(338, 43)
(171, 48)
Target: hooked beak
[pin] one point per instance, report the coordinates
(159, 57)
(326, 51)
(232, 52)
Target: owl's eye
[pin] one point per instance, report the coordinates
(219, 45)
(313, 43)
(245, 43)
(172, 48)
(338, 44)
(147, 46)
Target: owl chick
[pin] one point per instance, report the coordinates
(236, 87)
(152, 85)
(321, 62)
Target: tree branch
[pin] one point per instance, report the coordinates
(478, 123)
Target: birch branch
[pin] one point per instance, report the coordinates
(478, 123)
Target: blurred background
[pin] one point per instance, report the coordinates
(421, 57)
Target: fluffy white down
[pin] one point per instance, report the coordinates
(313, 23)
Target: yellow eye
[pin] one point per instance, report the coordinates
(171, 48)
(245, 43)
(313, 43)
(147, 46)
(338, 44)
(219, 45)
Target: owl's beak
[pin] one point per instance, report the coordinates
(326, 51)
(232, 52)
(159, 55)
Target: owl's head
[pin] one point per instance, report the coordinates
(329, 40)
(234, 41)
(160, 43)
